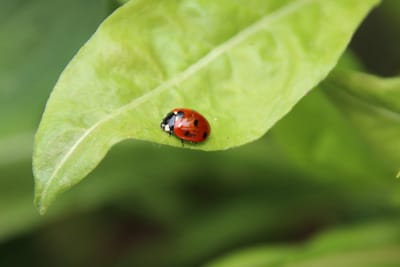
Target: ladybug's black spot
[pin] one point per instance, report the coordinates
(204, 135)
(187, 133)
(196, 122)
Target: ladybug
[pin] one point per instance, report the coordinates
(187, 125)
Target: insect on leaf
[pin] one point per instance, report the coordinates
(243, 66)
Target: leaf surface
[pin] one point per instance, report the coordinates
(242, 66)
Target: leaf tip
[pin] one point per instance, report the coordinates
(42, 209)
(39, 202)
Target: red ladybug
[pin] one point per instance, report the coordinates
(187, 125)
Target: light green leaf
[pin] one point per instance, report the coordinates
(33, 53)
(242, 66)
(373, 105)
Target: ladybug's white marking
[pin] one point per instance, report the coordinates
(166, 128)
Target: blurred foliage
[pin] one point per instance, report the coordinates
(150, 205)
(374, 244)
(377, 43)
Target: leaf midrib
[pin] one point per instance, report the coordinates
(192, 69)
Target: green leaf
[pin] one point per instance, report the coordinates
(151, 56)
(372, 245)
(381, 92)
(33, 53)
(318, 138)
(373, 105)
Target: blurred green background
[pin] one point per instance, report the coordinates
(151, 205)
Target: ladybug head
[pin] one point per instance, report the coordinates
(167, 124)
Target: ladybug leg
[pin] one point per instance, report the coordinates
(183, 143)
